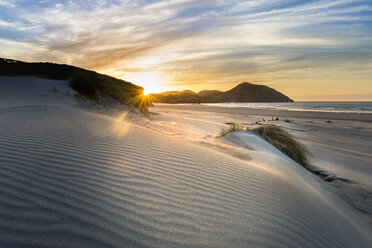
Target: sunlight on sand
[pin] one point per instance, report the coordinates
(122, 124)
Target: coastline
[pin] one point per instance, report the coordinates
(365, 117)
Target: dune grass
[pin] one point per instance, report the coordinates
(54, 88)
(278, 137)
(285, 142)
(233, 128)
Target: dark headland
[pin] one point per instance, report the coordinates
(244, 92)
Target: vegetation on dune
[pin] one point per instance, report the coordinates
(233, 128)
(284, 142)
(278, 137)
(100, 89)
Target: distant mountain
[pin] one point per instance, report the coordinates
(244, 92)
(177, 92)
(95, 86)
(208, 92)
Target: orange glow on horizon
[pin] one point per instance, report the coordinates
(152, 82)
(158, 81)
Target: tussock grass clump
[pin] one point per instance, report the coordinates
(53, 88)
(233, 128)
(285, 142)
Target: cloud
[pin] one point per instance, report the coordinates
(5, 3)
(6, 24)
(197, 43)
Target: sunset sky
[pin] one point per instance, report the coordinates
(309, 50)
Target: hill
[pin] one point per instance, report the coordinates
(92, 85)
(244, 92)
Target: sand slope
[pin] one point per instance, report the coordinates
(69, 178)
(19, 91)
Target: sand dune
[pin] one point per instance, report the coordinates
(20, 91)
(71, 178)
(341, 149)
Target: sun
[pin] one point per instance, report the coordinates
(146, 92)
(152, 82)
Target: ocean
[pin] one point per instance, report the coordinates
(346, 107)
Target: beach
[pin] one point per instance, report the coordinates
(73, 175)
(185, 124)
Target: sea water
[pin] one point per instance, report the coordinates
(349, 107)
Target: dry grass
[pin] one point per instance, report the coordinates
(278, 137)
(285, 142)
(53, 88)
(233, 128)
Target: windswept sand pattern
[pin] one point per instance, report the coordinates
(68, 178)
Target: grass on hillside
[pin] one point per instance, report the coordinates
(99, 89)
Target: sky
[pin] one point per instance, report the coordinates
(308, 50)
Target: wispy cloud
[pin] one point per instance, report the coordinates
(199, 44)
(5, 3)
